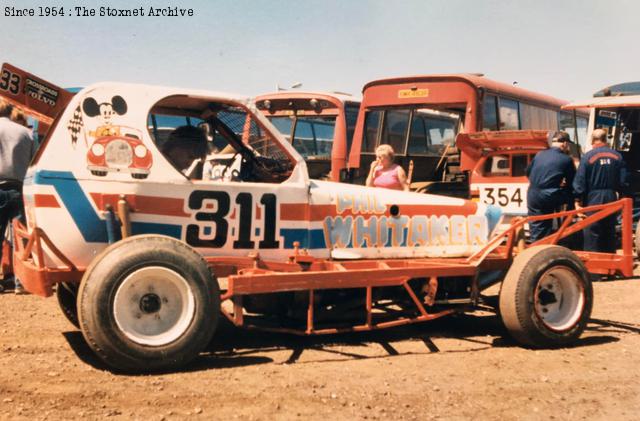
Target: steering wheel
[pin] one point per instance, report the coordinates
(234, 173)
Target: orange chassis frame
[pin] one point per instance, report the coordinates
(252, 275)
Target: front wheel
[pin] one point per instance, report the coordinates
(546, 297)
(148, 303)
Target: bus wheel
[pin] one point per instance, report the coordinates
(546, 297)
(148, 303)
(67, 294)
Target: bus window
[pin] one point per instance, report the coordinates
(351, 110)
(314, 136)
(418, 143)
(567, 124)
(441, 131)
(394, 130)
(518, 165)
(489, 115)
(508, 112)
(371, 127)
(497, 165)
(283, 124)
(537, 118)
(581, 129)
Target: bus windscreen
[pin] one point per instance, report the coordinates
(312, 135)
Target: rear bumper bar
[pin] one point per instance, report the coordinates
(28, 262)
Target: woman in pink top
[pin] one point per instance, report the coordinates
(384, 173)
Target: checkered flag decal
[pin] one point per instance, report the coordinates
(75, 125)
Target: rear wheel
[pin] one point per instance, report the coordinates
(148, 303)
(546, 297)
(67, 295)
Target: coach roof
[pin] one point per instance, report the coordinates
(473, 80)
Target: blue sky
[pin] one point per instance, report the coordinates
(568, 49)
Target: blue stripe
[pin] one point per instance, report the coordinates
(91, 226)
(308, 239)
(152, 228)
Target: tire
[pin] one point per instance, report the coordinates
(67, 295)
(148, 303)
(139, 176)
(546, 297)
(99, 173)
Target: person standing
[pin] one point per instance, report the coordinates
(384, 173)
(16, 151)
(601, 178)
(550, 175)
(17, 116)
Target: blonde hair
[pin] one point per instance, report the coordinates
(386, 150)
(17, 116)
(599, 134)
(5, 108)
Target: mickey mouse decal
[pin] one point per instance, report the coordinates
(105, 111)
(115, 148)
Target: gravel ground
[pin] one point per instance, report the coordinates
(459, 368)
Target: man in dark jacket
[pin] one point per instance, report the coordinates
(550, 174)
(16, 151)
(601, 178)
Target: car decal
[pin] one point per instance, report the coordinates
(45, 201)
(308, 238)
(89, 223)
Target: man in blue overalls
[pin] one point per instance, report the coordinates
(601, 177)
(550, 176)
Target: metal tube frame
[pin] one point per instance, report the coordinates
(301, 272)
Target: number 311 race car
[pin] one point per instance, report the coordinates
(144, 267)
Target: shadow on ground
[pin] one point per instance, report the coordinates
(234, 347)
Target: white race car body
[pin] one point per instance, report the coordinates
(223, 217)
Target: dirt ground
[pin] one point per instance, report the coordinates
(458, 368)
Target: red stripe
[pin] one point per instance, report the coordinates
(154, 205)
(45, 201)
(597, 156)
(303, 212)
(288, 211)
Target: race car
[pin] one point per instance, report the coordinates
(120, 154)
(500, 160)
(145, 267)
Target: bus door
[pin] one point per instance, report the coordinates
(416, 135)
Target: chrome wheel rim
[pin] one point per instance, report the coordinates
(154, 306)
